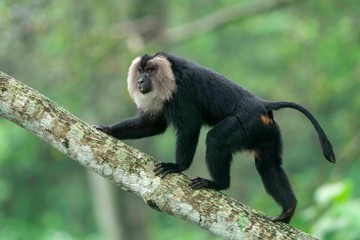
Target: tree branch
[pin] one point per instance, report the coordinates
(132, 170)
(219, 19)
(155, 30)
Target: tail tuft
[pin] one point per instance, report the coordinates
(327, 148)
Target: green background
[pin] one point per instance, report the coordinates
(77, 53)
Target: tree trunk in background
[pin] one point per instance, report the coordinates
(105, 209)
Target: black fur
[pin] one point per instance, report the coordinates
(144, 60)
(240, 120)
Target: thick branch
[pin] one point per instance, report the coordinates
(131, 169)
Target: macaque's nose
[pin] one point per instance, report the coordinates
(141, 80)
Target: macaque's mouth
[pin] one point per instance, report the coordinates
(143, 89)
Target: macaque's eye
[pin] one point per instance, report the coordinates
(149, 70)
(141, 71)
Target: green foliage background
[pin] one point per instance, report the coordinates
(77, 53)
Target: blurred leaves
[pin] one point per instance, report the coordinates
(336, 211)
(334, 192)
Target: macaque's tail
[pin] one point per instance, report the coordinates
(324, 141)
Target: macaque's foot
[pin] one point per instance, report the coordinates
(104, 129)
(198, 183)
(162, 169)
(285, 215)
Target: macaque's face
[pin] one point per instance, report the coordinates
(147, 75)
(151, 81)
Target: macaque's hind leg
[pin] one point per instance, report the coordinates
(221, 141)
(219, 166)
(268, 163)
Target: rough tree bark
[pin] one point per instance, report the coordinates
(132, 170)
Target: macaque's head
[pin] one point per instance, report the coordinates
(151, 82)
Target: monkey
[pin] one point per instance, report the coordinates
(172, 91)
